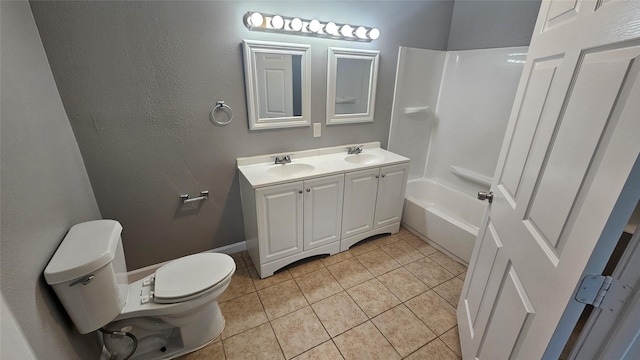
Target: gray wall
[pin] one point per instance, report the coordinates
(482, 24)
(44, 189)
(138, 80)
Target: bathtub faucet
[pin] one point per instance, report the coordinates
(354, 149)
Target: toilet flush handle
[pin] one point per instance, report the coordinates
(83, 280)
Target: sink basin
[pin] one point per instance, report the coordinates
(364, 159)
(290, 170)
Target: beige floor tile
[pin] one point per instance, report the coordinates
(258, 343)
(247, 258)
(237, 258)
(306, 267)
(241, 284)
(402, 252)
(403, 233)
(420, 245)
(387, 239)
(365, 342)
(373, 297)
(434, 311)
(281, 299)
(363, 247)
(334, 259)
(299, 331)
(448, 263)
(350, 273)
(462, 276)
(339, 313)
(276, 278)
(324, 351)
(435, 350)
(242, 314)
(318, 285)
(452, 339)
(403, 329)
(213, 351)
(450, 291)
(429, 272)
(378, 262)
(403, 284)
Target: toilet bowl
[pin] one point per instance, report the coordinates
(169, 313)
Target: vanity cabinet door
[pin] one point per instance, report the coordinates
(280, 212)
(360, 188)
(322, 210)
(390, 198)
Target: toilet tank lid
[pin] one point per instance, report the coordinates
(87, 247)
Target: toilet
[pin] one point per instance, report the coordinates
(161, 316)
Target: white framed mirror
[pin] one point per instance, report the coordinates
(352, 76)
(278, 84)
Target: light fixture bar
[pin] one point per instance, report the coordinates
(256, 21)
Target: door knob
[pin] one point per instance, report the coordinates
(482, 195)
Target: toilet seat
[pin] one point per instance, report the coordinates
(190, 277)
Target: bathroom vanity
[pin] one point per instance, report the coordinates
(319, 201)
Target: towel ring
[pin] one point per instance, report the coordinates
(220, 105)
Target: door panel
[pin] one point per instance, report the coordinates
(322, 210)
(275, 96)
(538, 86)
(489, 245)
(600, 77)
(279, 213)
(360, 188)
(391, 187)
(569, 148)
(508, 319)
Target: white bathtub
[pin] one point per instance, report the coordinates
(444, 217)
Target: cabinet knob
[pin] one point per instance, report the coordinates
(308, 190)
(383, 175)
(377, 176)
(299, 191)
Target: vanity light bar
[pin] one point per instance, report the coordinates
(256, 21)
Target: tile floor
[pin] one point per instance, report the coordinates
(391, 297)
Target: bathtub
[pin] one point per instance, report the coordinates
(444, 217)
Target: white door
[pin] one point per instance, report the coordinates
(322, 210)
(360, 189)
(280, 219)
(275, 75)
(571, 143)
(390, 199)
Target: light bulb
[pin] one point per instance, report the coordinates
(374, 34)
(277, 22)
(346, 30)
(256, 19)
(331, 28)
(314, 26)
(361, 32)
(296, 24)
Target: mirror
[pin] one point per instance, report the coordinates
(352, 76)
(278, 84)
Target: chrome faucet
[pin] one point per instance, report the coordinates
(283, 159)
(354, 149)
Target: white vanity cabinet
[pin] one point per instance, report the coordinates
(293, 221)
(318, 201)
(373, 201)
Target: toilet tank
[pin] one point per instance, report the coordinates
(88, 273)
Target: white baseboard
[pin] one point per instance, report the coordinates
(138, 274)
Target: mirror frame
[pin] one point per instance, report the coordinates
(253, 47)
(332, 67)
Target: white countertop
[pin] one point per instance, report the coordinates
(325, 161)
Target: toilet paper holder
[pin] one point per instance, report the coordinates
(204, 195)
